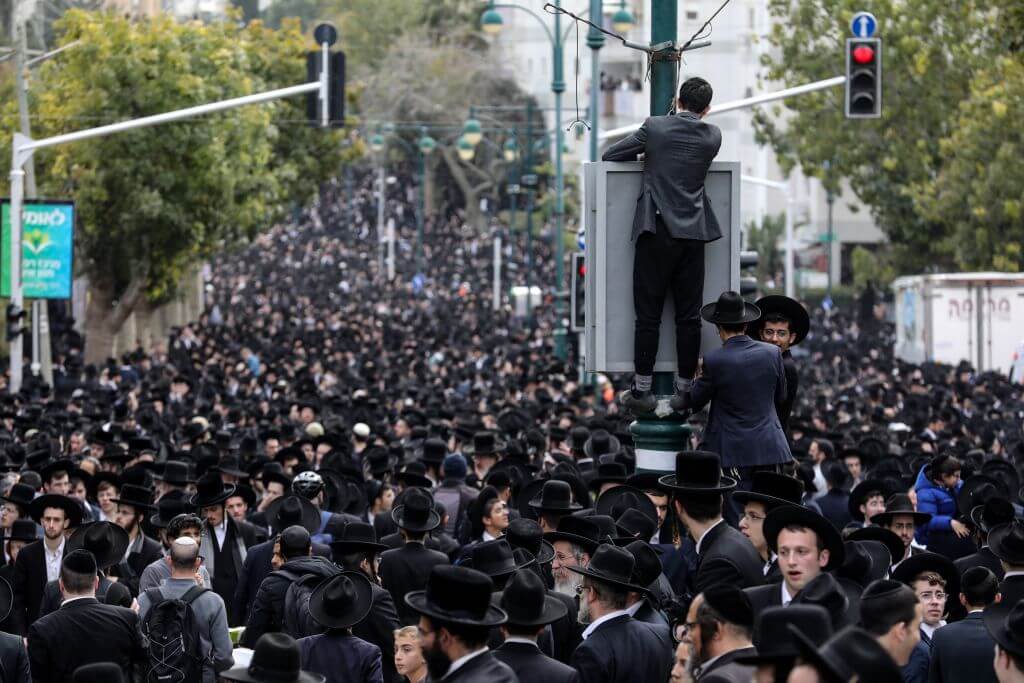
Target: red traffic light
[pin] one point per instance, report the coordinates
(862, 54)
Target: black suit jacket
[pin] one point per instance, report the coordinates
(530, 664)
(82, 632)
(52, 596)
(129, 571)
(15, 621)
(484, 668)
(727, 556)
(379, 628)
(726, 670)
(962, 651)
(678, 151)
(1011, 587)
(785, 407)
(565, 633)
(623, 650)
(983, 558)
(407, 569)
(835, 507)
(29, 581)
(254, 569)
(14, 667)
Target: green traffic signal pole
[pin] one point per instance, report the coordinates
(658, 437)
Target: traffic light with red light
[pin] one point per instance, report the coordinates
(578, 293)
(863, 78)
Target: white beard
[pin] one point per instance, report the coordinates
(569, 586)
(583, 614)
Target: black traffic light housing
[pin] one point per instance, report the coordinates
(335, 89)
(15, 322)
(578, 298)
(863, 78)
(748, 262)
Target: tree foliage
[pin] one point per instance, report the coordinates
(153, 201)
(764, 239)
(935, 53)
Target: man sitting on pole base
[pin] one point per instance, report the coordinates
(672, 223)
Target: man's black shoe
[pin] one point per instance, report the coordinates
(638, 402)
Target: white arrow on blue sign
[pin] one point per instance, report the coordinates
(863, 25)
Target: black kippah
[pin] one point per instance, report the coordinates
(732, 603)
(80, 561)
(974, 577)
(882, 588)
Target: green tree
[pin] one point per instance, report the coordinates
(871, 266)
(764, 239)
(932, 51)
(152, 202)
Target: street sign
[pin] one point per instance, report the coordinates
(529, 180)
(863, 25)
(48, 229)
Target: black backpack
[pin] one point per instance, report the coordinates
(172, 641)
(298, 622)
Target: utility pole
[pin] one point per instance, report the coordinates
(595, 41)
(830, 198)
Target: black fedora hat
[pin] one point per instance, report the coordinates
(865, 561)
(485, 443)
(1005, 623)
(70, 506)
(647, 565)
(730, 309)
(21, 495)
(457, 595)
(607, 473)
(646, 481)
(774, 641)
(613, 565)
(698, 472)
(909, 568)
(861, 492)
(176, 473)
(416, 513)
(275, 659)
(433, 451)
(494, 558)
(341, 601)
(168, 507)
(793, 515)
(772, 490)
(356, 537)
(1007, 542)
(996, 511)
(976, 489)
(601, 442)
(414, 474)
(636, 524)
(555, 496)
(139, 497)
(290, 510)
(55, 466)
(579, 531)
(527, 534)
(853, 654)
(210, 491)
(527, 603)
(105, 540)
(791, 309)
(900, 504)
(889, 539)
(23, 530)
(379, 461)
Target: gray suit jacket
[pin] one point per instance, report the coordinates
(678, 150)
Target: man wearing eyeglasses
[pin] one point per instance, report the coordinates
(928, 575)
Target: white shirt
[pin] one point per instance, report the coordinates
(77, 597)
(458, 663)
(930, 630)
(488, 537)
(53, 559)
(786, 597)
(593, 625)
(635, 607)
(1013, 573)
(520, 639)
(220, 531)
(768, 565)
(701, 539)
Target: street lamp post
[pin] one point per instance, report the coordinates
(622, 22)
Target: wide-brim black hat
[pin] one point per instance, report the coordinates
(613, 502)
(892, 542)
(308, 517)
(175, 473)
(775, 644)
(860, 493)
(62, 465)
(771, 490)
(72, 509)
(105, 540)
(848, 656)
(828, 536)
(356, 537)
(698, 472)
(139, 497)
(457, 595)
(485, 444)
(557, 504)
(730, 309)
(1005, 623)
(791, 309)
(1006, 542)
(527, 603)
(210, 491)
(429, 522)
(341, 601)
(21, 530)
(995, 512)
(900, 504)
(572, 529)
(276, 658)
(20, 494)
(976, 489)
(605, 566)
(906, 570)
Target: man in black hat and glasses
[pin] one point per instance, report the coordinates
(672, 223)
(784, 323)
(744, 381)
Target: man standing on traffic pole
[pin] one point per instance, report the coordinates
(673, 221)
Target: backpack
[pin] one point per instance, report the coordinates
(298, 622)
(171, 631)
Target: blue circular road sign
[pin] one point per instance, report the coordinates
(863, 25)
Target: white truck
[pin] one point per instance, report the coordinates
(947, 318)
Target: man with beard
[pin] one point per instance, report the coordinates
(616, 648)
(574, 542)
(40, 562)
(784, 323)
(107, 542)
(132, 505)
(902, 518)
(356, 549)
(719, 626)
(456, 617)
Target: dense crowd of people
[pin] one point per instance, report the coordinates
(332, 476)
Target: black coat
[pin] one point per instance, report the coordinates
(129, 571)
(785, 407)
(267, 612)
(770, 595)
(835, 507)
(483, 668)
(83, 632)
(565, 633)
(379, 628)
(983, 558)
(726, 670)
(342, 658)
(530, 664)
(52, 596)
(29, 581)
(15, 621)
(1011, 587)
(623, 650)
(407, 569)
(14, 667)
(727, 556)
(962, 651)
(255, 569)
